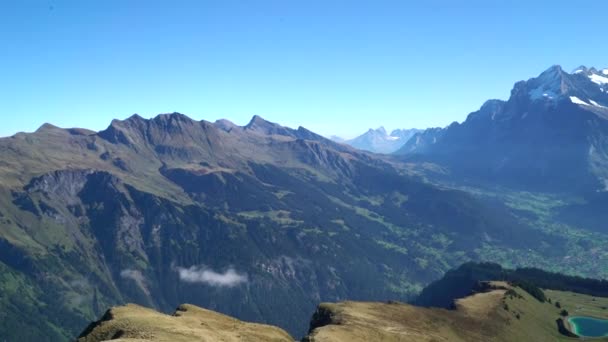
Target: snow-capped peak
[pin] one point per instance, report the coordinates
(555, 84)
(379, 141)
(580, 70)
(547, 85)
(595, 76)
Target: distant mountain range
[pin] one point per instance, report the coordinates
(264, 222)
(379, 140)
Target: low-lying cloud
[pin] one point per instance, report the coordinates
(132, 274)
(137, 277)
(205, 275)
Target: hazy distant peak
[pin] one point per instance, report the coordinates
(337, 138)
(378, 140)
(380, 130)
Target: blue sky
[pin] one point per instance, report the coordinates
(336, 67)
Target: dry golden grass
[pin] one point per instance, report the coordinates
(480, 305)
(489, 316)
(190, 323)
(361, 321)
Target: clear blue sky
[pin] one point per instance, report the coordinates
(336, 67)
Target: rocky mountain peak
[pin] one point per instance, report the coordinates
(47, 127)
(550, 114)
(584, 86)
(174, 117)
(259, 122)
(380, 141)
(225, 125)
(135, 130)
(549, 85)
(380, 130)
(262, 126)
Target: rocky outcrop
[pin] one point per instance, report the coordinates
(188, 324)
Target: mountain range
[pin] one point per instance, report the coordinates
(379, 140)
(255, 221)
(263, 222)
(550, 135)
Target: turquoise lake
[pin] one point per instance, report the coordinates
(589, 326)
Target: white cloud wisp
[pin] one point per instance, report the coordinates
(205, 275)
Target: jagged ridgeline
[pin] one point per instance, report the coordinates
(260, 221)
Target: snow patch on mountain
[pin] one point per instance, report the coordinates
(598, 79)
(576, 100)
(542, 93)
(548, 84)
(596, 104)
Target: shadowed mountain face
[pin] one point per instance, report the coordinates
(261, 222)
(551, 135)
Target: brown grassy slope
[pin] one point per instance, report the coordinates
(489, 316)
(495, 315)
(190, 323)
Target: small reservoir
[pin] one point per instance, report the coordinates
(589, 326)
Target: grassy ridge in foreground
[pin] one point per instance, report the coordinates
(189, 323)
(497, 312)
(505, 313)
